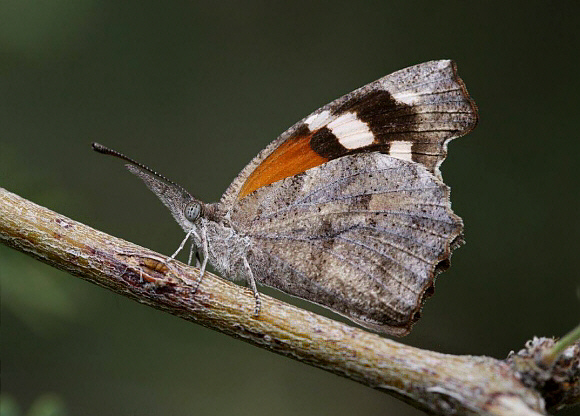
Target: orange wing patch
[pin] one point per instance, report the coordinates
(290, 158)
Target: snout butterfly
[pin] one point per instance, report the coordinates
(347, 208)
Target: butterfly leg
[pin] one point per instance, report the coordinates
(172, 257)
(191, 250)
(252, 283)
(205, 256)
(192, 231)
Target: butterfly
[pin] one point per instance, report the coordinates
(347, 208)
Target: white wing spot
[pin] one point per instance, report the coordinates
(351, 132)
(401, 150)
(409, 98)
(316, 121)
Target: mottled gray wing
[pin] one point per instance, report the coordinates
(363, 235)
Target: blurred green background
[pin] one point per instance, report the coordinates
(195, 89)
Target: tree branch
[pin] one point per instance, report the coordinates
(525, 384)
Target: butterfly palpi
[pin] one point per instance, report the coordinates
(347, 208)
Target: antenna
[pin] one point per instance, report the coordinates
(107, 151)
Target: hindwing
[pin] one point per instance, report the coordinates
(363, 235)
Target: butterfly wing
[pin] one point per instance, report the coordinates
(363, 235)
(410, 114)
(347, 208)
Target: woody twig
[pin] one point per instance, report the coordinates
(537, 379)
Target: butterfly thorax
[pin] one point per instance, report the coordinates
(226, 247)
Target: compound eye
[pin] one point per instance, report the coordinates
(192, 211)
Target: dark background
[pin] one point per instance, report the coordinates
(195, 90)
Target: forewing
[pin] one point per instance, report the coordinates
(410, 114)
(363, 235)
